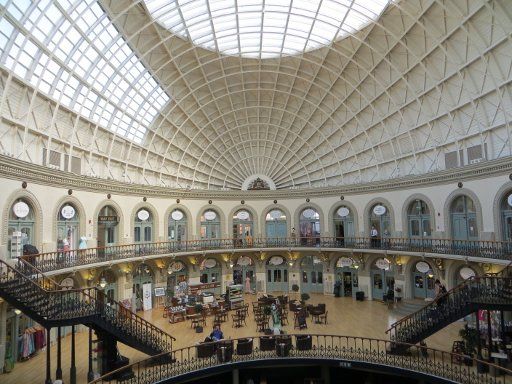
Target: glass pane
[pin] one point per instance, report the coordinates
(304, 277)
(427, 231)
(377, 281)
(137, 234)
(313, 277)
(415, 227)
(418, 281)
(320, 279)
(204, 278)
(269, 276)
(473, 230)
(285, 276)
(147, 234)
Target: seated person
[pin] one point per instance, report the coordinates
(217, 334)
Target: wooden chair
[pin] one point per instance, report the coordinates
(323, 318)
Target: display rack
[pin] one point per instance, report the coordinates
(234, 294)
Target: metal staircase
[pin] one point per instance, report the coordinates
(42, 299)
(492, 292)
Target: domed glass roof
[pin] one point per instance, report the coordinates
(264, 28)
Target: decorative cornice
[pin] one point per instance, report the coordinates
(14, 169)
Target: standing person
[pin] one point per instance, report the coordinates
(441, 292)
(373, 236)
(247, 284)
(248, 239)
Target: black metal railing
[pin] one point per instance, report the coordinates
(362, 352)
(493, 291)
(51, 261)
(46, 300)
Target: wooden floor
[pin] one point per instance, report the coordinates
(346, 317)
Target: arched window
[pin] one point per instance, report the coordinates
(143, 226)
(275, 224)
(463, 219)
(21, 227)
(244, 272)
(210, 225)
(506, 216)
(380, 225)
(277, 274)
(346, 277)
(68, 227)
(343, 222)
(108, 221)
(309, 224)
(418, 215)
(177, 226)
(242, 228)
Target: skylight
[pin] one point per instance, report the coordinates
(71, 51)
(264, 28)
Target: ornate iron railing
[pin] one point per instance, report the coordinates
(493, 291)
(355, 352)
(51, 261)
(44, 299)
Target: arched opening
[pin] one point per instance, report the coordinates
(423, 280)
(418, 216)
(143, 226)
(309, 226)
(210, 225)
(211, 272)
(312, 274)
(275, 225)
(107, 283)
(506, 216)
(343, 225)
(347, 279)
(108, 221)
(242, 228)
(244, 272)
(383, 278)
(177, 278)
(380, 225)
(463, 219)
(277, 274)
(177, 227)
(143, 287)
(68, 228)
(21, 227)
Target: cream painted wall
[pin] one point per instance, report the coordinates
(48, 197)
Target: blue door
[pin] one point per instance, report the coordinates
(277, 278)
(348, 279)
(312, 275)
(423, 285)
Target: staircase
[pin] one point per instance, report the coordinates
(406, 307)
(43, 300)
(493, 292)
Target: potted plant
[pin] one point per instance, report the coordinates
(304, 297)
(470, 337)
(295, 288)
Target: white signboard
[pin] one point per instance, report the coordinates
(276, 214)
(67, 212)
(276, 260)
(243, 215)
(379, 210)
(466, 273)
(383, 264)
(309, 213)
(143, 215)
(344, 262)
(21, 209)
(244, 260)
(146, 297)
(509, 200)
(343, 212)
(422, 267)
(176, 266)
(177, 215)
(209, 263)
(210, 215)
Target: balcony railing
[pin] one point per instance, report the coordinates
(345, 351)
(51, 261)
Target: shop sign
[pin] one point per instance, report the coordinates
(67, 212)
(243, 215)
(276, 260)
(383, 264)
(21, 209)
(422, 267)
(177, 215)
(176, 266)
(343, 212)
(210, 215)
(209, 263)
(244, 260)
(143, 215)
(309, 213)
(466, 273)
(107, 219)
(379, 210)
(344, 262)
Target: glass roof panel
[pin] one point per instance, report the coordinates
(67, 56)
(302, 24)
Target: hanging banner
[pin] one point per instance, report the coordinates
(146, 297)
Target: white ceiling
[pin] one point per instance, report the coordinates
(427, 78)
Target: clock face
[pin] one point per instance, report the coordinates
(67, 283)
